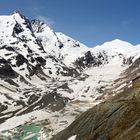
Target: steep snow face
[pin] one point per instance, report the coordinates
(46, 35)
(13, 26)
(116, 47)
(58, 44)
(43, 69)
(70, 48)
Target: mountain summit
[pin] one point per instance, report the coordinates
(45, 71)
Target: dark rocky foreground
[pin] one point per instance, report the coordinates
(115, 119)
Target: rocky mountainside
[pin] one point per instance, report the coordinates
(48, 73)
(117, 118)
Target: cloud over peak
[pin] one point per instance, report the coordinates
(46, 20)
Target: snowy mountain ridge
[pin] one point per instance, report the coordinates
(43, 70)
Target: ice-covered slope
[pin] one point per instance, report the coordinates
(44, 69)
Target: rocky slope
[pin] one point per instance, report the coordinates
(49, 72)
(115, 119)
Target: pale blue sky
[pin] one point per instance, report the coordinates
(90, 21)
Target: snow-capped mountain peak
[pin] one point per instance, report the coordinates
(119, 43)
(44, 69)
(116, 46)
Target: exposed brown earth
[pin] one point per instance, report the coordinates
(115, 119)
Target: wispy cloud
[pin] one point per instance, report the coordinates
(36, 12)
(126, 22)
(48, 21)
